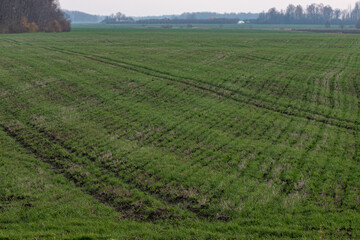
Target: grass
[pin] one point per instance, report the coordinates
(179, 133)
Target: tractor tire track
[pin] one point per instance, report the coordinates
(224, 92)
(61, 161)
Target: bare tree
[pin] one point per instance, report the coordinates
(31, 16)
(312, 14)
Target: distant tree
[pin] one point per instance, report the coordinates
(191, 16)
(272, 15)
(337, 13)
(328, 13)
(358, 24)
(355, 14)
(342, 25)
(299, 11)
(290, 12)
(328, 24)
(312, 14)
(118, 18)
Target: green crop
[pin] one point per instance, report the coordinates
(112, 133)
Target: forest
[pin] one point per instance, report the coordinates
(311, 14)
(18, 16)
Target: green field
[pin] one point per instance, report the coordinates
(78, 26)
(115, 133)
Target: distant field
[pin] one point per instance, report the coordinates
(113, 133)
(78, 26)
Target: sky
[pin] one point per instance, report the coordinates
(162, 7)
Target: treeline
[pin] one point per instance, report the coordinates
(212, 15)
(189, 21)
(19, 16)
(120, 18)
(311, 14)
(81, 17)
(203, 15)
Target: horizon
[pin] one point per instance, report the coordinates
(161, 7)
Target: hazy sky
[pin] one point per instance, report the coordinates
(160, 7)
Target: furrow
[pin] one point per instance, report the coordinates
(227, 93)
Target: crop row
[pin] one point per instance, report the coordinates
(109, 109)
